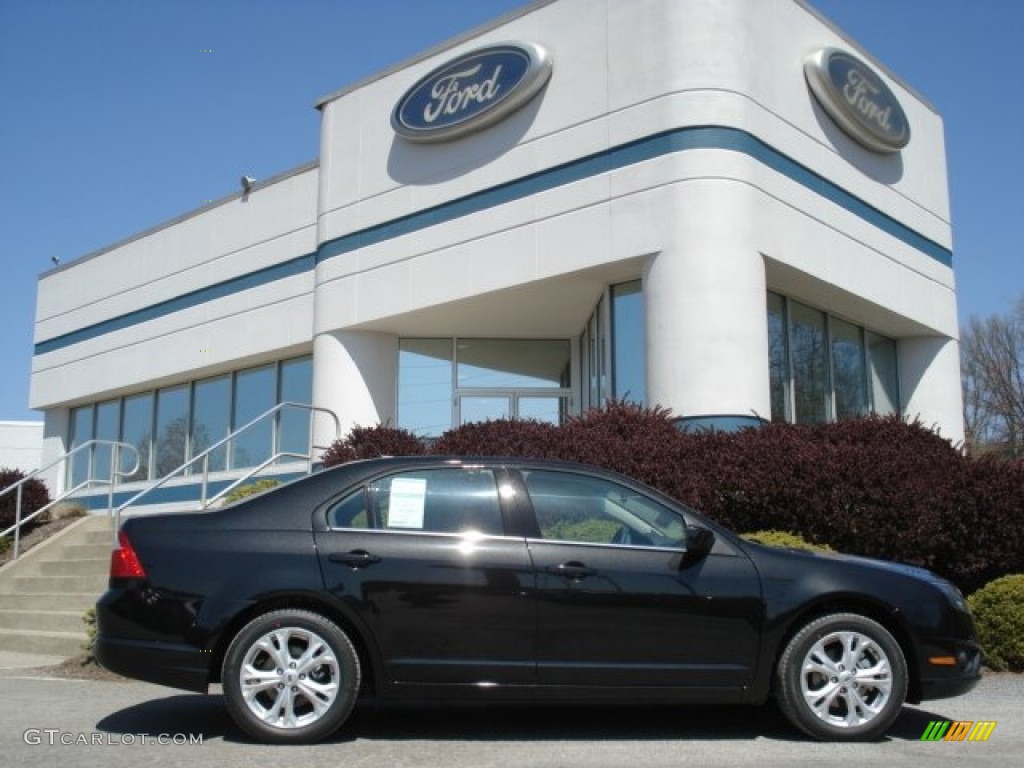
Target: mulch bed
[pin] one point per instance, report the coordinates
(77, 668)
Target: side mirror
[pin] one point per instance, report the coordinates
(699, 541)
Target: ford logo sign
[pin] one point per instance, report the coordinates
(475, 90)
(857, 99)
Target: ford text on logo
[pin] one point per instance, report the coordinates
(857, 99)
(475, 90)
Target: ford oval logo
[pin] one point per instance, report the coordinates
(857, 99)
(477, 89)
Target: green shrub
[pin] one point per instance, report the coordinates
(252, 489)
(775, 538)
(998, 609)
(5, 544)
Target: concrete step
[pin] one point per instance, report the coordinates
(101, 536)
(43, 595)
(69, 601)
(48, 585)
(57, 563)
(88, 568)
(86, 551)
(66, 644)
(42, 621)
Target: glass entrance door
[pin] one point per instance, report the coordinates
(515, 405)
(483, 407)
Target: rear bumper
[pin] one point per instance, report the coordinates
(175, 666)
(142, 635)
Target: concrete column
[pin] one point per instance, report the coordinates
(930, 384)
(56, 425)
(707, 350)
(354, 375)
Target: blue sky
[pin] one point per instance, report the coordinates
(117, 115)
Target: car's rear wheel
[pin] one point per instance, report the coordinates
(842, 677)
(290, 677)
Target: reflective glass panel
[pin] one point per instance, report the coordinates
(849, 379)
(255, 393)
(171, 429)
(548, 409)
(81, 432)
(885, 397)
(137, 430)
(512, 363)
(778, 358)
(425, 386)
(629, 345)
(810, 363)
(293, 423)
(108, 427)
(483, 408)
(211, 420)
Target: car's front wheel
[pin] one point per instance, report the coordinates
(290, 677)
(842, 677)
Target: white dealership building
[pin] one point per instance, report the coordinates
(725, 207)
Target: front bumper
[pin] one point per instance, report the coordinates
(943, 682)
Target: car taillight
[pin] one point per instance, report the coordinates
(124, 563)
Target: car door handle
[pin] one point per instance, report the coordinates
(358, 558)
(571, 570)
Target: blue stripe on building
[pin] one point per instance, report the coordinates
(649, 148)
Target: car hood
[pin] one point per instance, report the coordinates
(883, 565)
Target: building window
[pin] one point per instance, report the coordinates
(425, 386)
(137, 430)
(255, 393)
(171, 429)
(80, 465)
(593, 346)
(444, 382)
(823, 368)
(178, 423)
(296, 383)
(211, 420)
(613, 347)
(629, 343)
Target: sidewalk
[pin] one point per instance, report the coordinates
(13, 660)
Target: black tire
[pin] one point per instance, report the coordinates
(290, 677)
(842, 677)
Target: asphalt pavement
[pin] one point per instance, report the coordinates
(47, 722)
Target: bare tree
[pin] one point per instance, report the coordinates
(992, 366)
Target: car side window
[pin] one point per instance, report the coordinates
(449, 500)
(591, 510)
(350, 512)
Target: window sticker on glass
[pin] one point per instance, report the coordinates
(405, 508)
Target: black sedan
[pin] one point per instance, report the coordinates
(508, 579)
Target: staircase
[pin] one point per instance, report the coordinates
(44, 594)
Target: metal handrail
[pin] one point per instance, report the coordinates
(205, 458)
(115, 462)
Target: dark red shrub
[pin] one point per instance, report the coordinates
(34, 495)
(371, 443)
(501, 437)
(877, 486)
